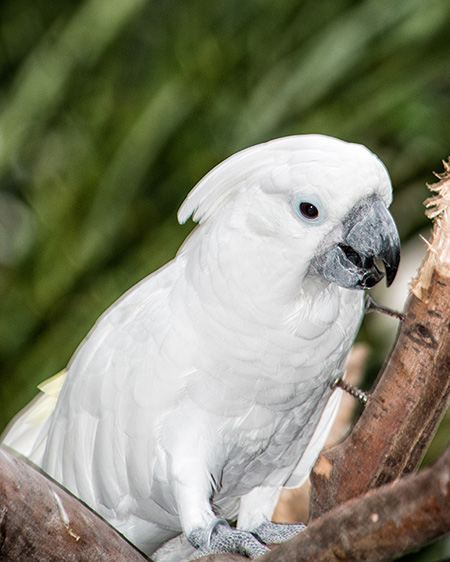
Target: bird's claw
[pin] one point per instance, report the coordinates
(275, 533)
(220, 537)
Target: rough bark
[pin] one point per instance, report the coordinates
(41, 521)
(381, 525)
(412, 393)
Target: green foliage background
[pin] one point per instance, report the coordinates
(111, 110)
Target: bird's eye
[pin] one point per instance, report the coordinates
(308, 207)
(308, 210)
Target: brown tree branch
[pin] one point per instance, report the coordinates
(381, 525)
(41, 521)
(412, 393)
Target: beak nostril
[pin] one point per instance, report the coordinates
(351, 255)
(369, 264)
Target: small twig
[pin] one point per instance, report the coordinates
(354, 391)
(373, 306)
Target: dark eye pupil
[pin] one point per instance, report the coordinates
(309, 210)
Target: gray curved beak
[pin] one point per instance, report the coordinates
(369, 234)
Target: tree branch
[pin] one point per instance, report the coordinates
(41, 521)
(412, 393)
(381, 525)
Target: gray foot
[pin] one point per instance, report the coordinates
(275, 533)
(220, 537)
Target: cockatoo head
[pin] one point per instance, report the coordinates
(320, 198)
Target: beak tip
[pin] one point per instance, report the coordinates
(391, 272)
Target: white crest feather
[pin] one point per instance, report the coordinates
(223, 180)
(218, 184)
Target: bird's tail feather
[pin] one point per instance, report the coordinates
(22, 433)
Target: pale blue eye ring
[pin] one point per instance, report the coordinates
(309, 208)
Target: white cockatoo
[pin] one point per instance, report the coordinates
(209, 385)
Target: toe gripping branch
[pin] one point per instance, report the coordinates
(220, 537)
(275, 533)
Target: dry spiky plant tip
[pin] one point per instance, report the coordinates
(438, 204)
(438, 256)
